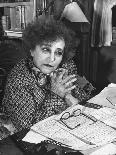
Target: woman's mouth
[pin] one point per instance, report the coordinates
(47, 65)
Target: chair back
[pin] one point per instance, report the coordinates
(11, 51)
(2, 84)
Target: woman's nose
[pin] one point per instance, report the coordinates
(52, 57)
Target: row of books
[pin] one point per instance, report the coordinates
(13, 1)
(15, 18)
(13, 34)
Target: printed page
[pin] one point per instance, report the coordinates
(87, 125)
(96, 133)
(77, 132)
(51, 129)
(105, 114)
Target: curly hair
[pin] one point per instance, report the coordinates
(47, 29)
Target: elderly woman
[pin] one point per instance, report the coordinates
(46, 82)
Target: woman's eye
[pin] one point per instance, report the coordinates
(45, 50)
(59, 52)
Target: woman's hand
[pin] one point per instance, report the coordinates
(70, 100)
(62, 84)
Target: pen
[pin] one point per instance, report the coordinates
(110, 101)
(90, 117)
(83, 140)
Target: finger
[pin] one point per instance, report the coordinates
(53, 76)
(70, 83)
(60, 77)
(68, 78)
(65, 74)
(62, 74)
(71, 88)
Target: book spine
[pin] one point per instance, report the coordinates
(12, 18)
(18, 18)
(23, 22)
(6, 22)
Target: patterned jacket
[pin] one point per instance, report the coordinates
(26, 101)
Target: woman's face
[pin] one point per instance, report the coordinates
(48, 56)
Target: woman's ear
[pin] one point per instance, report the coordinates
(31, 53)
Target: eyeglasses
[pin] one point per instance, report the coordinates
(72, 121)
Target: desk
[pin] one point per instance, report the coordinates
(13, 145)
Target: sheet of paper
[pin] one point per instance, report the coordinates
(106, 115)
(112, 85)
(101, 98)
(107, 98)
(109, 149)
(33, 137)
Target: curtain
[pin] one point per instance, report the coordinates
(97, 15)
(102, 23)
(106, 22)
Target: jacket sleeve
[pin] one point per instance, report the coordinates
(30, 103)
(20, 104)
(84, 88)
(53, 104)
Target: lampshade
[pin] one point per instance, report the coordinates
(73, 13)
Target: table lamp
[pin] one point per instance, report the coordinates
(73, 13)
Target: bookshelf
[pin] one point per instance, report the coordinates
(16, 16)
(15, 4)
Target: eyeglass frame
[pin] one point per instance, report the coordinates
(70, 115)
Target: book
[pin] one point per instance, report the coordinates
(17, 18)
(13, 34)
(23, 21)
(12, 18)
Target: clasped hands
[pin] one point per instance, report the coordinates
(62, 84)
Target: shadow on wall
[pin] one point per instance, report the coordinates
(106, 66)
(11, 51)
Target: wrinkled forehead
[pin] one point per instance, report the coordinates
(50, 42)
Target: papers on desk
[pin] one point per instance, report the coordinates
(90, 129)
(105, 114)
(51, 129)
(88, 134)
(109, 149)
(34, 137)
(107, 97)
